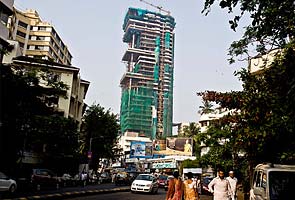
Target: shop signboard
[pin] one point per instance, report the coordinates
(164, 165)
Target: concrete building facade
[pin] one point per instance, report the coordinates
(37, 39)
(41, 47)
(147, 84)
(73, 104)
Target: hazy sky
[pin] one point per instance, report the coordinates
(92, 30)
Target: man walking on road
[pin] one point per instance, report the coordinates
(220, 187)
(233, 185)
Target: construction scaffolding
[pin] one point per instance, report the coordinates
(147, 84)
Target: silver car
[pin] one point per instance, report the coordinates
(7, 184)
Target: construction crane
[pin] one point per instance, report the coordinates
(158, 7)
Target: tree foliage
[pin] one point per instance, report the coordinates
(272, 23)
(206, 108)
(261, 123)
(191, 130)
(100, 128)
(28, 121)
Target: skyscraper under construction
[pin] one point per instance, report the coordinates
(147, 84)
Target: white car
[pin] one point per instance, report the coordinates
(145, 183)
(7, 184)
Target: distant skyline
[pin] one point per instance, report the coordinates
(92, 30)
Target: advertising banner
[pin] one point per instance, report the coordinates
(183, 146)
(173, 146)
(140, 149)
(159, 145)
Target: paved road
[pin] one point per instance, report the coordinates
(132, 196)
(44, 191)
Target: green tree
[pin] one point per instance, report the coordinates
(28, 120)
(263, 121)
(271, 24)
(100, 128)
(191, 130)
(206, 108)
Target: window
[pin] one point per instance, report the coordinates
(281, 184)
(33, 37)
(53, 77)
(42, 28)
(40, 38)
(22, 24)
(21, 45)
(4, 18)
(39, 47)
(21, 34)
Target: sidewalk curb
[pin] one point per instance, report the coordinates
(65, 195)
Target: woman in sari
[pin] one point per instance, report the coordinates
(175, 188)
(190, 188)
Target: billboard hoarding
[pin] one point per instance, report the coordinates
(173, 146)
(182, 146)
(140, 149)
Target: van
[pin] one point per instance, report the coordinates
(272, 182)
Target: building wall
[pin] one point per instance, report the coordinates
(126, 139)
(204, 123)
(64, 103)
(261, 62)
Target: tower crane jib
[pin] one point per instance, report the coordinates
(155, 6)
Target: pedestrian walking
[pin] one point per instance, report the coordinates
(175, 188)
(220, 187)
(190, 188)
(233, 181)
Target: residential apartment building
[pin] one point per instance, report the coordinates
(147, 84)
(38, 39)
(6, 10)
(73, 104)
(205, 121)
(41, 47)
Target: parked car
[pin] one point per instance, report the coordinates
(44, 178)
(161, 180)
(7, 184)
(273, 182)
(166, 185)
(204, 185)
(145, 183)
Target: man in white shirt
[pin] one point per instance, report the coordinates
(233, 185)
(220, 187)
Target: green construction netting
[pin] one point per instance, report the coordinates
(167, 40)
(167, 68)
(156, 73)
(136, 110)
(136, 68)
